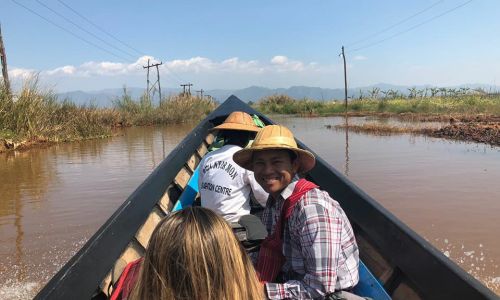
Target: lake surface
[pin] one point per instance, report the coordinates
(53, 199)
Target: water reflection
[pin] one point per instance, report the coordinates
(19, 240)
(52, 199)
(346, 165)
(22, 173)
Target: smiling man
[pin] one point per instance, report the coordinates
(311, 251)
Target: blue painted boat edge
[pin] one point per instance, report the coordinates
(188, 196)
(369, 286)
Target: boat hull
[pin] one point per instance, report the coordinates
(405, 264)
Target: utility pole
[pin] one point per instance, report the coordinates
(148, 89)
(345, 79)
(201, 92)
(3, 58)
(188, 85)
(147, 76)
(158, 80)
(346, 170)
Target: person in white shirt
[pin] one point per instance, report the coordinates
(224, 186)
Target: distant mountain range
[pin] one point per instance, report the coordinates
(105, 97)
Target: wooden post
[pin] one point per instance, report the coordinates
(157, 81)
(201, 93)
(147, 87)
(346, 169)
(345, 79)
(3, 58)
(158, 76)
(188, 85)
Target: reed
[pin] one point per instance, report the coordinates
(464, 104)
(36, 115)
(283, 104)
(171, 110)
(378, 129)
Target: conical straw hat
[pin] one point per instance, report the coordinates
(238, 120)
(274, 137)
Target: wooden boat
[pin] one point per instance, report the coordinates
(406, 265)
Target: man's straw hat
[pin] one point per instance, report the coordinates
(274, 137)
(238, 120)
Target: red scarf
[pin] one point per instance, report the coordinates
(271, 258)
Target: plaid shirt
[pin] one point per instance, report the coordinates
(319, 245)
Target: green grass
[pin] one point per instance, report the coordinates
(463, 104)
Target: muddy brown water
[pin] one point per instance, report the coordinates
(53, 199)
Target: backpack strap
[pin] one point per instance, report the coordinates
(301, 188)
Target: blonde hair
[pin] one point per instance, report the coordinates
(193, 254)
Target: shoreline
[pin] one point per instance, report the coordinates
(481, 128)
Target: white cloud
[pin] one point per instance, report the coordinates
(279, 60)
(231, 72)
(360, 57)
(196, 65)
(283, 64)
(66, 70)
(104, 68)
(19, 73)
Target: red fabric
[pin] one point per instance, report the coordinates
(127, 280)
(271, 258)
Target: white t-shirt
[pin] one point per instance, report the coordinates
(225, 186)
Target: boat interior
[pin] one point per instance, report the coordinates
(398, 262)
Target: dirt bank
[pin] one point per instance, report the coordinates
(479, 129)
(9, 145)
(488, 132)
(3, 147)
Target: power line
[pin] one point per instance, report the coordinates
(172, 74)
(68, 31)
(100, 28)
(393, 25)
(85, 30)
(411, 28)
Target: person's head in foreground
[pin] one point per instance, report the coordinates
(237, 129)
(275, 159)
(193, 254)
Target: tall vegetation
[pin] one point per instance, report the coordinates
(461, 101)
(37, 115)
(172, 109)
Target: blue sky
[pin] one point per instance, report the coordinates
(235, 44)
